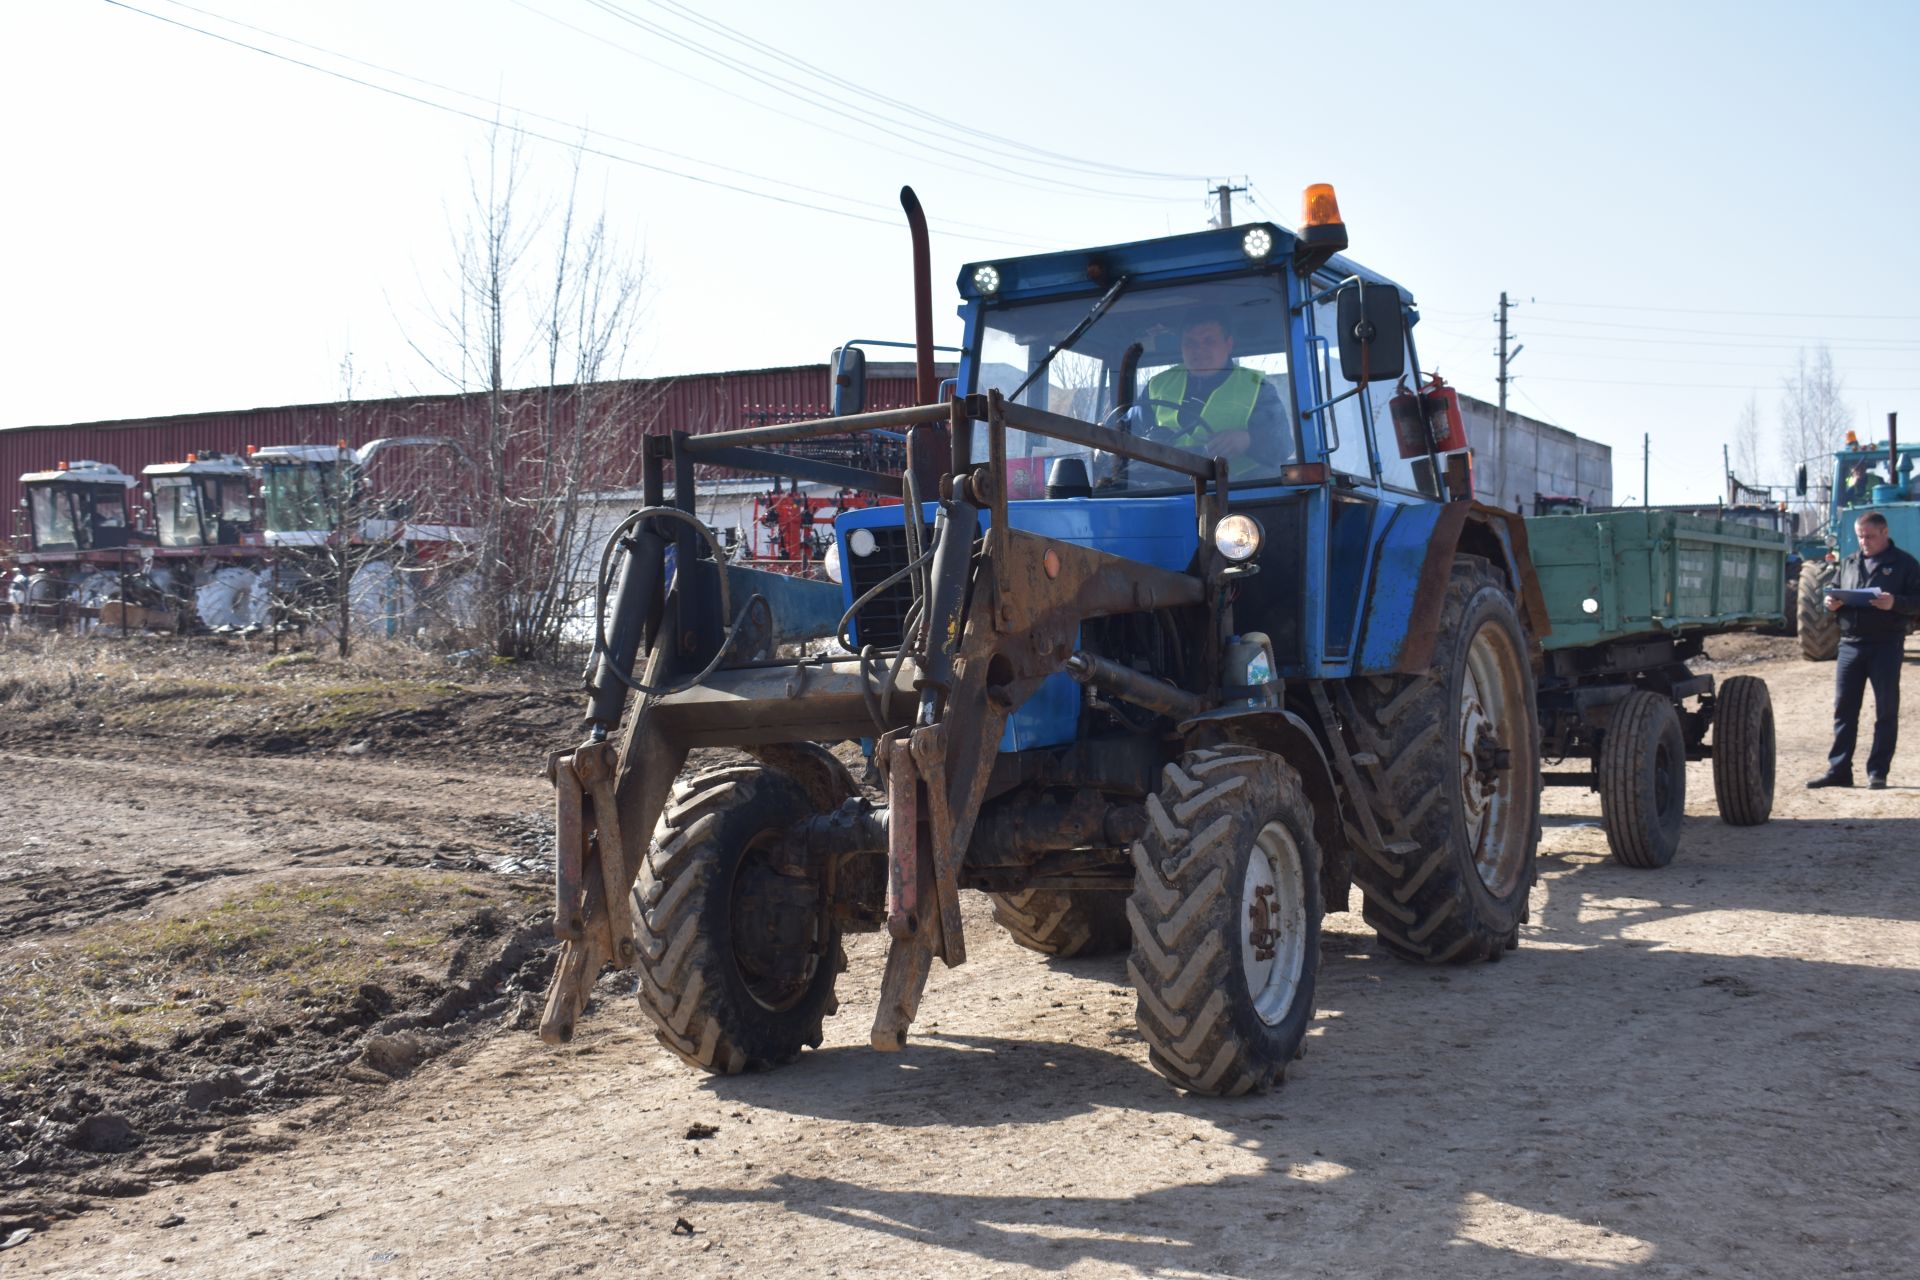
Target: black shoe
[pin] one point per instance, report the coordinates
(1831, 780)
(1876, 782)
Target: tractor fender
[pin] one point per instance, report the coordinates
(819, 772)
(1289, 737)
(1413, 562)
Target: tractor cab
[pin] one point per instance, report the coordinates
(205, 501)
(79, 506)
(1254, 345)
(1884, 477)
(375, 492)
(303, 490)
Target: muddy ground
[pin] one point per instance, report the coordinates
(275, 927)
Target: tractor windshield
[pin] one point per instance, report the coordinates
(301, 496)
(54, 528)
(176, 509)
(1208, 373)
(1858, 474)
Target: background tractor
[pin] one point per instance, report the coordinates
(1882, 477)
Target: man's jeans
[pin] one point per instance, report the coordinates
(1864, 662)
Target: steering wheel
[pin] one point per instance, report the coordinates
(1158, 433)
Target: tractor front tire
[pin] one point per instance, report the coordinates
(1226, 921)
(1819, 626)
(1064, 922)
(1743, 751)
(1643, 780)
(737, 955)
(1460, 751)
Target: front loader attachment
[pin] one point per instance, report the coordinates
(684, 661)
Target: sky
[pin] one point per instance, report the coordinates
(1680, 198)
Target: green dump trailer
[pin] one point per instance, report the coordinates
(1632, 597)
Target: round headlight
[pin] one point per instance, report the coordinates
(831, 562)
(1257, 243)
(1237, 537)
(986, 279)
(860, 542)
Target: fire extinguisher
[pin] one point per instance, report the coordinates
(1440, 404)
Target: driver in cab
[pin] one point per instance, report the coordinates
(1211, 405)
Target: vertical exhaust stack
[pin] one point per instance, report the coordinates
(929, 448)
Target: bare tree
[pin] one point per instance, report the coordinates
(1747, 467)
(540, 292)
(1814, 416)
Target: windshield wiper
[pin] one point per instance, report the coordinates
(1079, 331)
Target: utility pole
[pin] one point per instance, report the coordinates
(1506, 358)
(1646, 469)
(1225, 193)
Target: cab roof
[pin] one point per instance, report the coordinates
(1194, 255)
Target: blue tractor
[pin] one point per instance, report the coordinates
(1164, 648)
(1883, 477)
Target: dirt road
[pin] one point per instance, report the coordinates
(1711, 1070)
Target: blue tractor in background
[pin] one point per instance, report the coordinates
(1162, 649)
(1883, 477)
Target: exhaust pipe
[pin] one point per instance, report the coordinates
(929, 450)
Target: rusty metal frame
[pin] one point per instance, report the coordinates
(1026, 596)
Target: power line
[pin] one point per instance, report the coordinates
(1662, 328)
(793, 89)
(1705, 386)
(1552, 353)
(1709, 311)
(1077, 162)
(668, 67)
(530, 133)
(1758, 346)
(583, 130)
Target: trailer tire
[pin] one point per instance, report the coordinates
(1643, 780)
(1460, 894)
(1743, 753)
(1819, 626)
(1226, 921)
(1064, 922)
(736, 959)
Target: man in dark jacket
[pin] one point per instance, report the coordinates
(1872, 637)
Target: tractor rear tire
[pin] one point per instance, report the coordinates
(1643, 780)
(1064, 922)
(1743, 751)
(1819, 626)
(1226, 921)
(1460, 750)
(737, 957)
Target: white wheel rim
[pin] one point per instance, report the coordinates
(1490, 690)
(1273, 923)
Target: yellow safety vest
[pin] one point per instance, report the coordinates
(1229, 408)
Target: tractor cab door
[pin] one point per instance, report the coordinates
(1369, 476)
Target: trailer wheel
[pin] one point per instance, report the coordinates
(1819, 626)
(1064, 922)
(737, 955)
(1643, 780)
(1460, 750)
(1226, 921)
(1743, 751)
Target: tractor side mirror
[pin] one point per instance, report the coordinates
(1800, 480)
(1373, 333)
(848, 369)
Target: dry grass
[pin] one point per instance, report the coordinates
(261, 955)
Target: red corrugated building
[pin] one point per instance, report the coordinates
(698, 402)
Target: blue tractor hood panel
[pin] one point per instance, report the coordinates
(1156, 531)
(1398, 559)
